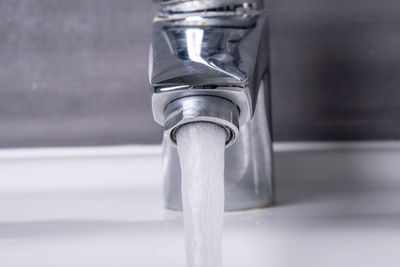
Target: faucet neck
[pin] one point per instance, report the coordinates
(211, 13)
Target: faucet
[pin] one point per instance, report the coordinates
(209, 62)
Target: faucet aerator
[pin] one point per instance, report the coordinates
(193, 109)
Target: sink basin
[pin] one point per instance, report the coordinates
(338, 205)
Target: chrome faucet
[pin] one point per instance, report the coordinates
(209, 62)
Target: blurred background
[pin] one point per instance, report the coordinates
(74, 72)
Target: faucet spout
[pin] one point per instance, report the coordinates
(209, 63)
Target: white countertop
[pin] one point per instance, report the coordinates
(338, 205)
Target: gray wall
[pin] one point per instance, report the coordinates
(74, 72)
(336, 69)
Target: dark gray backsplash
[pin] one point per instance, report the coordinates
(336, 69)
(74, 72)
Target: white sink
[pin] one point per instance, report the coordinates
(338, 205)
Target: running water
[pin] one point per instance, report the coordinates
(201, 148)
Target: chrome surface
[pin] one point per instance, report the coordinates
(202, 109)
(209, 62)
(219, 61)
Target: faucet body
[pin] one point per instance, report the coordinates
(209, 61)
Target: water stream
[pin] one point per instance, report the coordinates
(201, 148)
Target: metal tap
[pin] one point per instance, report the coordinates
(209, 62)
